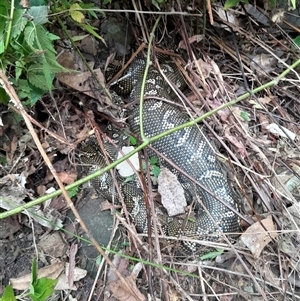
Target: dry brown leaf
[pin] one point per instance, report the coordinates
(53, 245)
(73, 251)
(88, 45)
(265, 62)
(121, 293)
(171, 191)
(240, 146)
(256, 237)
(62, 283)
(206, 68)
(67, 177)
(12, 195)
(67, 59)
(51, 271)
(195, 38)
(82, 81)
(10, 151)
(265, 100)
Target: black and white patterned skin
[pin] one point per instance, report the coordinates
(190, 151)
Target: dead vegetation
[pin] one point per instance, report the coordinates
(234, 58)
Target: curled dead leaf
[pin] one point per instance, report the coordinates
(256, 237)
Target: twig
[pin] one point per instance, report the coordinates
(17, 103)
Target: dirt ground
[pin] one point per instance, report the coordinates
(257, 136)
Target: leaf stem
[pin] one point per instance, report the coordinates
(12, 9)
(148, 64)
(146, 143)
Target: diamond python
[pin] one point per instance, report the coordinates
(188, 149)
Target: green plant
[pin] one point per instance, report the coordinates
(232, 3)
(39, 289)
(75, 9)
(27, 52)
(26, 49)
(211, 255)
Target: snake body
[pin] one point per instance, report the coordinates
(192, 154)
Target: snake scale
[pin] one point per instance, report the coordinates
(188, 149)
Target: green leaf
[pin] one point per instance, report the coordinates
(154, 2)
(4, 98)
(231, 3)
(39, 14)
(33, 276)
(2, 48)
(37, 77)
(92, 31)
(3, 23)
(132, 140)
(293, 3)
(156, 170)
(98, 260)
(49, 76)
(8, 294)
(79, 38)
(3, 160)
(90, 7)
(153, 160)
(72, 192)
(76, 14)
(129, 179)
(107, 2)
(245, 115)
(44, 39)
(22, 86)
(19, 23)
(29, 34)
(35, 95)
(212, 255)
(43, 289)
(19, 68)
(297, 40)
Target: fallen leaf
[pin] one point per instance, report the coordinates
(256, 237)
(121, 292)
(12, 195)
(62, 283)
(51, 271)
(73, 251)
(263, 63)
(280, 131)
(53, 245)
(195, 38)
(67, 177)
(83, 81)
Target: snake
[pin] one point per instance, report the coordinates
(189, 149)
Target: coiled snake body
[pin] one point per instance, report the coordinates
(190, 151)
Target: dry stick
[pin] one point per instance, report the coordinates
(127, 64)
(100, 142)
(149, 141)
(17, 103)
(209, 10)
(32, 120)
(144, 139)
(266, 111)
(143, 26)
(258, 287)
